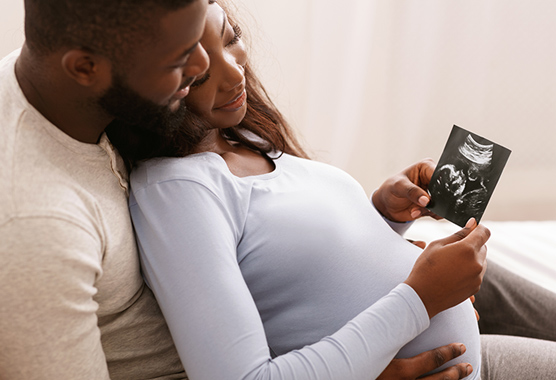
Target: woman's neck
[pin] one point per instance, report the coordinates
(241, 161)
(214, 142)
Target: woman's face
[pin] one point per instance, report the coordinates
(219, 96)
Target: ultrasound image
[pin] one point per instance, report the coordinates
(465, 177)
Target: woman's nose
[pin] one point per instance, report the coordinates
(234, 67)
(234, 75)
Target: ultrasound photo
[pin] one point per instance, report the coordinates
(465, 177)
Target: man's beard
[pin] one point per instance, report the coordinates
(130, 108)
(142, 129)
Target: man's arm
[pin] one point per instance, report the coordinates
(47, 314)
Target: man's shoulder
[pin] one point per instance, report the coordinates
(46, 172)
(54, 196)
(11, 96)
(42, 178)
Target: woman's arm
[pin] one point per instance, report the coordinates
(188, 238)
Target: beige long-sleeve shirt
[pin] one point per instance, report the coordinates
(73, 304)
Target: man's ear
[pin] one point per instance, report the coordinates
(87, 69)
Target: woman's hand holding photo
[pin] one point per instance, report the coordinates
(403, 197)
(451, 270)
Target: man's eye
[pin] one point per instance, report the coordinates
(181, 64)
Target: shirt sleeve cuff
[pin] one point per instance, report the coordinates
(400, 227)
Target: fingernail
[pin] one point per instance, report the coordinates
(423, 201)
(469, 370)
(463, 348)
(470, 223)
(415, 213)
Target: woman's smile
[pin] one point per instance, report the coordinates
(234, 104)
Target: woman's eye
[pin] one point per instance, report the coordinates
(237, 35)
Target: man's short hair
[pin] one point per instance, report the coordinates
(108, 27)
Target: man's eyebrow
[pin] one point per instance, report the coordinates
(188, 51)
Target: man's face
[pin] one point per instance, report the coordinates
(130, 107)
(160, 75)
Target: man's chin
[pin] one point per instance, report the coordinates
(175, 105)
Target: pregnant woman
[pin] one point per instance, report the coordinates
(268, 265)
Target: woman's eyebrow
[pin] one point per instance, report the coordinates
(223, 23)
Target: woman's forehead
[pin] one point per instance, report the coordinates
(214, 27)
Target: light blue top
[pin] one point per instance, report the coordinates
(297, 260)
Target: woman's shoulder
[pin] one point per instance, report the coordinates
(197, 180)
(205, 168)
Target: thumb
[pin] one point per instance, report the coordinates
(416, 194)
(461, 234)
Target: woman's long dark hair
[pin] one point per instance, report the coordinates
(263, 119)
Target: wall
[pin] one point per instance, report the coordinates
(11, 25)
(374, 86)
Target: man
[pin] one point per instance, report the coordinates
(74, 305)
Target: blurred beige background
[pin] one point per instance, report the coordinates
(375, 85)
(11, 25)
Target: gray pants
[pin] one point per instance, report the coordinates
(518, 327)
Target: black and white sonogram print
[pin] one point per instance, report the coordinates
(465, 177)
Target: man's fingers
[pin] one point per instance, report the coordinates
(431, 360)
(456, 372)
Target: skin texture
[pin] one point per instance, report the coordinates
(65, 85)
(423, 245)
(413, 368)
(403, 197)
(451, 270)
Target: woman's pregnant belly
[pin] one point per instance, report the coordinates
(455, 325)
(332, 289)
(309, 285)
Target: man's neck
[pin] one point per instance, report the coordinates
(60, 100)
